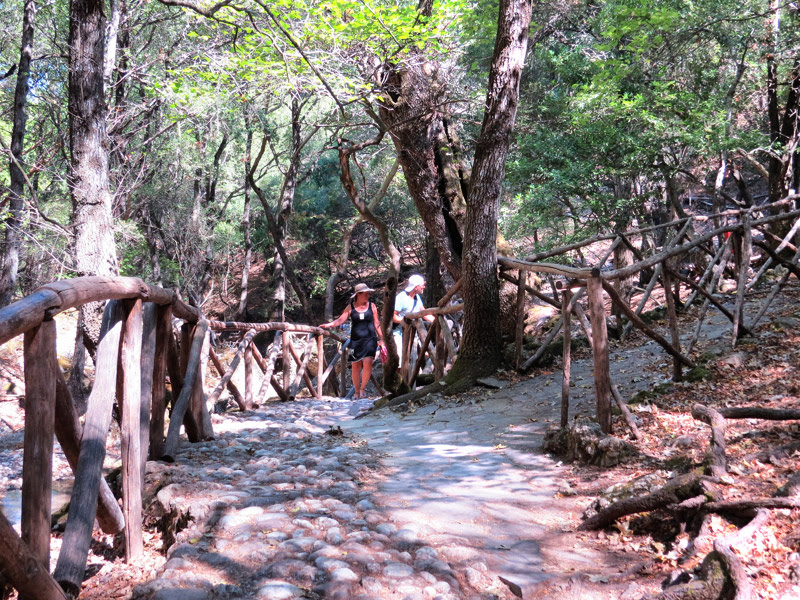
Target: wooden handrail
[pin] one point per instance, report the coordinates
(56, 297)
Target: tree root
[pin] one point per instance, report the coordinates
(691, 498)
(424, 395)
(675, 492)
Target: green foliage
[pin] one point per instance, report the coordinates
(638, 92)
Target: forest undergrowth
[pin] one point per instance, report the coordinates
(762, 457)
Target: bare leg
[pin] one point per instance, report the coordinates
(357, 379)
(366, 372)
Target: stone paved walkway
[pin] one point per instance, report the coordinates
(302, 500)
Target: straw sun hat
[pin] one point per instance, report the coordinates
(360, 288)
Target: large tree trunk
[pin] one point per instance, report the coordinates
(278, 224)
(481, 350)
(427, 150)
(10, 253)
(94, 246)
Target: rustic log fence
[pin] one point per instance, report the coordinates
(138, 350)
(732, 239)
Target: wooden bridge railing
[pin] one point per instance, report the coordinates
(136, 351)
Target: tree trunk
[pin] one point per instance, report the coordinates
(94, 247)
(391, 378)
(481, 350)
(427, 150)
(422, 137)
(10, 250)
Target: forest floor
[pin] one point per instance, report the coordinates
(470, 468)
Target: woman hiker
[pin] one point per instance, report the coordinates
(365, 334)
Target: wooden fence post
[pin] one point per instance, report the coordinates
(234, 391)
(37, 456)
(320, 365)
(248, 376)
(83, 502)
(672, 319)
(741, 284)
(189, 332)
(68, 433)
(566, 296)
(520, 330)
(181, 404)
(130, 439)
(271, 357)
(147, 371)
(197, 402)
(158, 406)
(287, 360)
(602, 378)
(302, 364)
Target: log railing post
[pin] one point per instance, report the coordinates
(320, 365)
(520, 312)
(174, 367)
(409, 335)
(440, 350)
(41, 366)
(332, 365)
(602, 378)
(227, 374)
(234, 391)
(83, 502)
(158, 407)
(248, 376)
(68, 433)
(287, 360)
(181, 404)
(672, 318)
(566, 328)
(130, 439)
(149, 326)
(741, 284)
(302, 364)
(343, 370)
(193, 429)
(198, 404)
(271, 357)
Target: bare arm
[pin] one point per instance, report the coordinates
(339, 320)
(377, 321)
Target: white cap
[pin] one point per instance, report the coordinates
(414, 281)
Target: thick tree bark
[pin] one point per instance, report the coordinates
(10, 250)
(481, 350)
(427, 150)
(94, 247)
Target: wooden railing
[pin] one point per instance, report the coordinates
(136, 351)
(736, 228)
